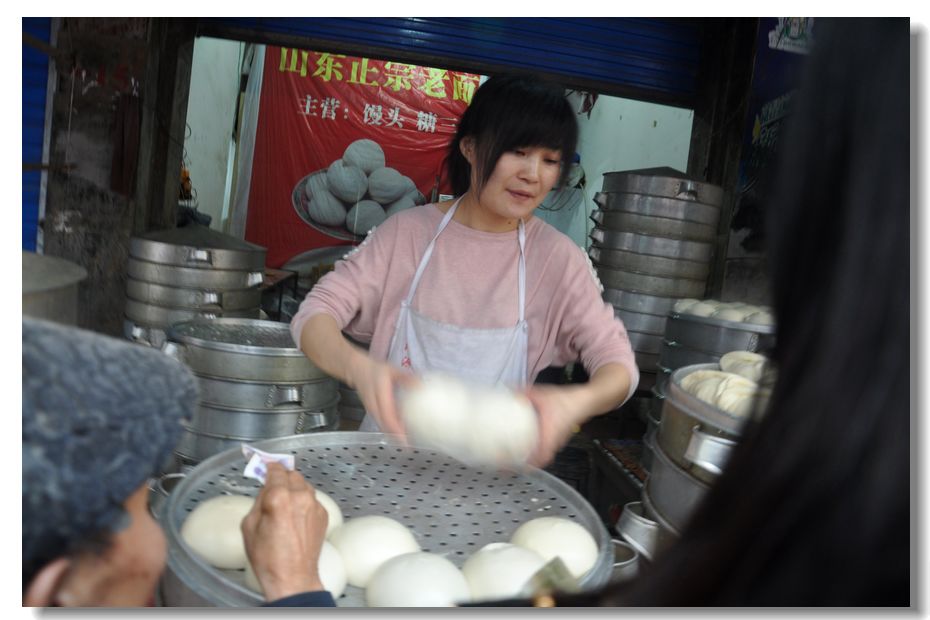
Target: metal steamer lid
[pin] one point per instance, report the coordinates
(43, 273)
(197, 244)
(238, 336)
(663, 181)
(452, 509)
(697, 408)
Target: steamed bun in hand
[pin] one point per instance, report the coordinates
(476, 424)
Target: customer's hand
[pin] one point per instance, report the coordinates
(284, 533)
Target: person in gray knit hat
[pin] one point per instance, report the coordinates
(101, 416)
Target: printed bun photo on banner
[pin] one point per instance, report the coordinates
(342, 143)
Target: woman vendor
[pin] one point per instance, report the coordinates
(477, 287)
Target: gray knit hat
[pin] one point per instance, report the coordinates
(100, 416)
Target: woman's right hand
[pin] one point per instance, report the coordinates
(375, 383)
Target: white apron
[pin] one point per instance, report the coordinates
(485, 356)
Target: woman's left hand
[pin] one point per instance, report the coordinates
(560, 414)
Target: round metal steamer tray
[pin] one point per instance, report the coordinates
(199, 247)
(654, 226)
(650, 265)
(717, 335)
(174, 297)
(659, 206)
(662, 181)
(244, 349)
(452, 509)
(654, 285)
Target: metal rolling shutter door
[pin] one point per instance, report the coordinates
(648, 59)
(35, 85)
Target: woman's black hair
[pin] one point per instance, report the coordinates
(813, 508)
(507, 112)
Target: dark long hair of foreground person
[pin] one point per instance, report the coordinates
(813, 508)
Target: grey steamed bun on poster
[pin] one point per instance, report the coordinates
(385, 185)
(364, 216)
(327, 209)
(347, 183)
(365, 154)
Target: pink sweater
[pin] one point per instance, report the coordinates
(471, 280)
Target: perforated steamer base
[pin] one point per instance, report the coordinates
(452, 509)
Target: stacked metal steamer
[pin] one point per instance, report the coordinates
(692, 446)
(653, 245)
(690, 339)
(187, 273)
(255, 384)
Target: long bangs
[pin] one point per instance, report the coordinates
(540, 117)
(508, 112)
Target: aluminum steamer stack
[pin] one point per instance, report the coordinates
(652, 245)
(182, 274)
(691, 449)
(254, 384)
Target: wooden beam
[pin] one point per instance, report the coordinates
(164, 119)
(724, 83)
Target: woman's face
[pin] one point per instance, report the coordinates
(519, 183)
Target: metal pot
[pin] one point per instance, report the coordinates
(188, 277)
(649, 445)
(675, 355)
(645, 343)
(662, 373)
(197, 247)
(651, 285)
(667, 534)
(639, 531)
(646, 361)
(148, 314)
(214, 430)
(50, 288)
(272, 396)
(665, 247)
(143, 334)
(212, 301)
(248, 350)
(656, 226)
(626, 562)
(696, 436)
(643, 323)
(474, 506)
(159, 490)
(244, 424)
(638, 302)
(651, 265)
(673, 491)
(663, 181)
(717, 335)
(657, 206)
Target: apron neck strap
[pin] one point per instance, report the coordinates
(521, 277)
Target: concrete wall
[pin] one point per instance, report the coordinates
(85, 221)
(211, 114)
(623, 134)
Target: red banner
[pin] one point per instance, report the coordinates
(313, 106)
